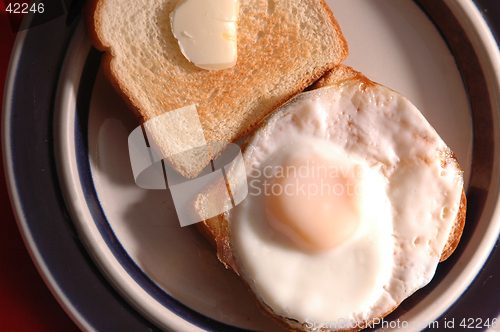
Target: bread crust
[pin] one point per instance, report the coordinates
(337, 75)
(216, 230)
(91, 12)
(457, 230)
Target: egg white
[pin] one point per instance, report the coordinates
(414, 202)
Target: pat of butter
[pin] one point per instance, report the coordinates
(206, 32)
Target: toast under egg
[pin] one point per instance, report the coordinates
(406, 153)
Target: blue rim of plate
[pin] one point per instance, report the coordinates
(87, 81)
(49, 231)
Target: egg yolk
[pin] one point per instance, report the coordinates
(316, 202)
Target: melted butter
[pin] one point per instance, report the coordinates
(206, 31)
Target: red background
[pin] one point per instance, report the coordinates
(26, 303)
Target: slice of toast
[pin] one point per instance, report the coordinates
(217, 229)
(283, 47)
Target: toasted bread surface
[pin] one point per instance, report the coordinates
(283, 46)
(216, 229)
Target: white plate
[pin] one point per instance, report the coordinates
(171, 274)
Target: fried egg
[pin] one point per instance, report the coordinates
(352, 197)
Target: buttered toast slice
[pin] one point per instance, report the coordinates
(414, 216)
(283, 46)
